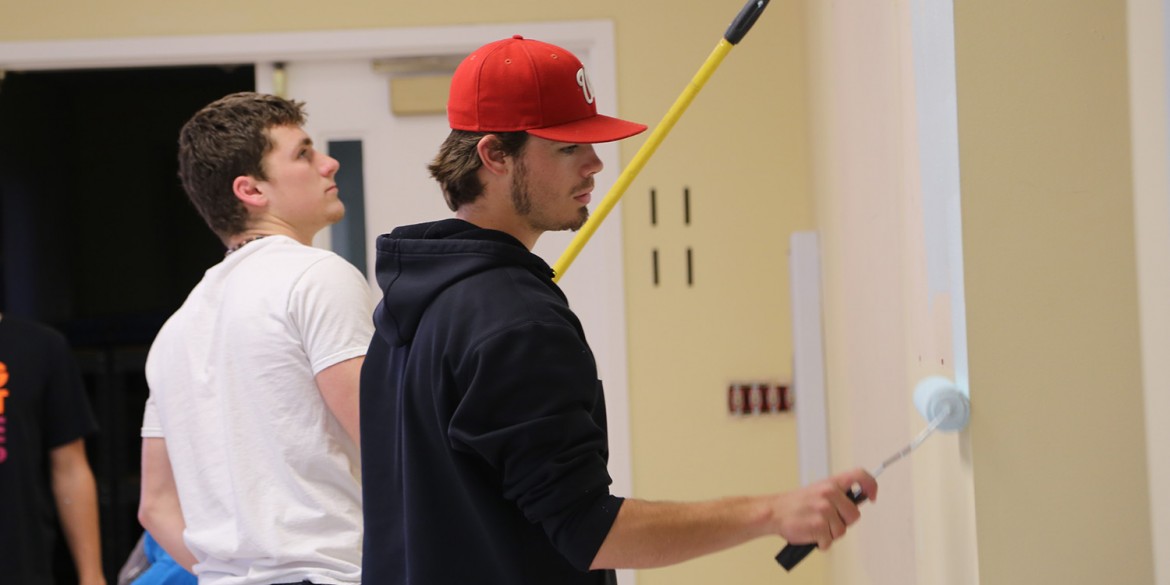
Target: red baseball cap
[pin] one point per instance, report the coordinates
(519, 84)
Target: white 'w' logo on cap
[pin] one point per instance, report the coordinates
(583, 81)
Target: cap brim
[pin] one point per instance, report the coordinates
(590, 130)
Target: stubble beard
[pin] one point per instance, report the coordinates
(522, 203)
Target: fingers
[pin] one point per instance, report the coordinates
(860, 477)
(837, 513)
(844, 507)
(835, 522)
(822, 512)
(840, 511)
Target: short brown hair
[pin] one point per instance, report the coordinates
(228, 139)
(458, 160)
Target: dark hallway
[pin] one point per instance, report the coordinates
(98, 240)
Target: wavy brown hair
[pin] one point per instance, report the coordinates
(227, 139)
(458, 160)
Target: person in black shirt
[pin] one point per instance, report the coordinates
(484, 443)
(44, 417)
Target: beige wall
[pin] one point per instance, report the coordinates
(1051, 479)
(1058, 434)
(1151, 153)
(740, 149)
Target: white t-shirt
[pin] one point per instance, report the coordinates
(269, 482)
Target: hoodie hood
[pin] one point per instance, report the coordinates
(416, 263)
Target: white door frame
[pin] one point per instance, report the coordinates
(595, 36)
(592, 40)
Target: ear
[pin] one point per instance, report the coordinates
(247, 189)
(492, 156)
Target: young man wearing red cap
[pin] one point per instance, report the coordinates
(484, 441)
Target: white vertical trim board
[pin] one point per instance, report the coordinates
(1149, 84)
(936, 95)
(808, 367)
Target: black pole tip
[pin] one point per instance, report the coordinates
(744, 20)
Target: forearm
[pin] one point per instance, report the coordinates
(159, 509)
(76, 495)
(655, 534)
(164, 521)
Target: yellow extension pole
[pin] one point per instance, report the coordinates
(631, 171)
(738, 28)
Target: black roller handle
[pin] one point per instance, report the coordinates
(744, 20)
(794, 553)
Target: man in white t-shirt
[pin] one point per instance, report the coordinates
(250, 467)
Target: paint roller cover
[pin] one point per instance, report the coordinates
(937, 396)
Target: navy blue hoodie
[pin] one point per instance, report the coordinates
(484, 444)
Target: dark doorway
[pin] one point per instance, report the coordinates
(98, 240)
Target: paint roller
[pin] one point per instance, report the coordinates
(944, 407)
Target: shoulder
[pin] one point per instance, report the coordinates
(15, 330)
(287, 260)
(331, 274)
(505, 299)
(330, 285)
(301, 259)
(287, 251)
(27, 327)
(329, 263)
(508, 289)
